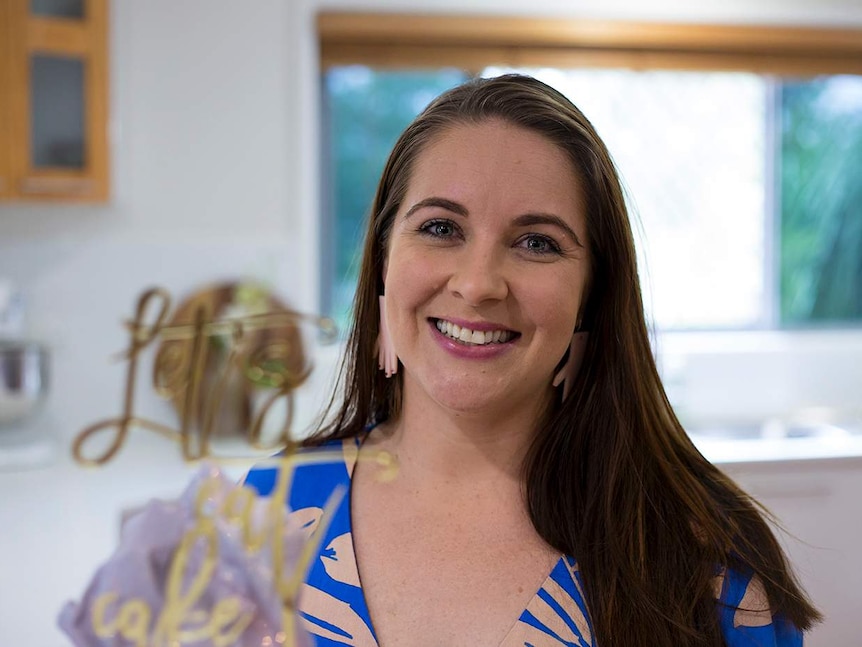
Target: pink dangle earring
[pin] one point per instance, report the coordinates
(566, 375)
(387, 360)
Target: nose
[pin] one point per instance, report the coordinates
(479, 276)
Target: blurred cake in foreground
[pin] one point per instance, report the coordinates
(213, 568)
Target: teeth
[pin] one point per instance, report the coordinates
(475, 337)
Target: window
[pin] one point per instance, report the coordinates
(366, 110)
(745, 181)
(821, 200)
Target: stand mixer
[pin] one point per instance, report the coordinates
(24, 368)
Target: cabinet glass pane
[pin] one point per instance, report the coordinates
(57, 8)
(57, 112)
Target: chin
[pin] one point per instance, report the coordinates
(462, 401)
(478, 401)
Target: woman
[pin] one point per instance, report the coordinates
(546, 494)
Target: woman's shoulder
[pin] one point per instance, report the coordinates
(745, 615)
(312, 472)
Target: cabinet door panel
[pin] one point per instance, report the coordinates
(57, 127)
(58, 8)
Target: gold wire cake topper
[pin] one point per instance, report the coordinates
(178, 372)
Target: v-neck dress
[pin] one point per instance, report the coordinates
(333, 607)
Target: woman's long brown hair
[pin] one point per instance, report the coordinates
(612, 479)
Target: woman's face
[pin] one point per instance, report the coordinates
(486, 269)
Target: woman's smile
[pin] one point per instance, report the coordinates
(477, 341)
(474, 334)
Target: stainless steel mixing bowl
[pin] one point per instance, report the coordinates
(23, 380)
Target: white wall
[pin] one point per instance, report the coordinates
(209, 155)
(214, 130)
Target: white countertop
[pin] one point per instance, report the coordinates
(780, 450)
(773, 441)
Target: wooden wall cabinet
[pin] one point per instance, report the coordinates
(54, 100)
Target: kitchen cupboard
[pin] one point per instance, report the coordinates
(819, 514)
(54, 100)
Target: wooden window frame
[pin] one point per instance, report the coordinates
(473, 42)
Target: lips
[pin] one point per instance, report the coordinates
(474, 337)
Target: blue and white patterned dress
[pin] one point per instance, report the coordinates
(334, 610)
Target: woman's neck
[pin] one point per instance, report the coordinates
(434, 444)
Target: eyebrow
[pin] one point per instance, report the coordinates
(443, 203)
(524, 220)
